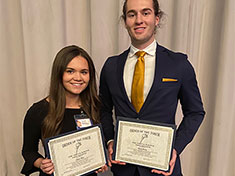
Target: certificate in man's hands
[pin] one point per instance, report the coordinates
(78, 152)
(144, 143)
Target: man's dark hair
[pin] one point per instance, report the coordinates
(156, 8)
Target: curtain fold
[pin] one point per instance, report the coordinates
(104, 31)
(223, 141)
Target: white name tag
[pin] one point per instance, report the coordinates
(82, 121)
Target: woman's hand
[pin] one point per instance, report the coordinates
(46, 166)
(102, 169)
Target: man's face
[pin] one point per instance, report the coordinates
(141, 22)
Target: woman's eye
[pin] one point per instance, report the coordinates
(69, 71)
(84, 72)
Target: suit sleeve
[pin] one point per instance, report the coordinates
(192, 108)
(107, 104)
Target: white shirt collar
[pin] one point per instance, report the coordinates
(150, 50)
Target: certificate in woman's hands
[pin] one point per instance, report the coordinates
(144, 143)
(78, 152)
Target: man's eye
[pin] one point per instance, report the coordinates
(146, 13)
(130, 15)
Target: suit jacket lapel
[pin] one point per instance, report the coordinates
(157, 76)
(120, 70)
(159, 70)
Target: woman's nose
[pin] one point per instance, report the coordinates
(77, 76)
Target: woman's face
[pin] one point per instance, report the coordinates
(76, 76)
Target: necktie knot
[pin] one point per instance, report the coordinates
(140, 53)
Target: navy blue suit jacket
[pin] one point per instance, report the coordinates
(160, 104)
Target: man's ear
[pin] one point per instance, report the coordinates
(157, 20)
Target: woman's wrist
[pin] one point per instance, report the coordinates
(38, 163)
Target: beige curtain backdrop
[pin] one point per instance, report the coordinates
(32, 32)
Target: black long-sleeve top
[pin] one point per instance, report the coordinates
(32, 133)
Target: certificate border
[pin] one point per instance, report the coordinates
(125, 119)
(100, 140)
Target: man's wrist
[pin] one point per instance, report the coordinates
(111, 140)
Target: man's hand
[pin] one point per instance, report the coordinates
(172, 165)
(110, 152)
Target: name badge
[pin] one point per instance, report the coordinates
(82, 121)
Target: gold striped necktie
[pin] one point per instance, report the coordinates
(137, 89)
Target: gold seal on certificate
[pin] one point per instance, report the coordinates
(144, 143)
(78, 152)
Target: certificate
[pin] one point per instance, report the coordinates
(144, 143)
(78, 152)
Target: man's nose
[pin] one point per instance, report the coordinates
(139, 19)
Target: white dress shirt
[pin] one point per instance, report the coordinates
(129, 68)
(149, 60)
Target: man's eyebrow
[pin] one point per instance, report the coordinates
(131, 11)
(144, 9)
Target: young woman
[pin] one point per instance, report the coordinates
(72, 92)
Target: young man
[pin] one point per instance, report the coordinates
(168, 77)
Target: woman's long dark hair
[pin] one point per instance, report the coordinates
(57, 102)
